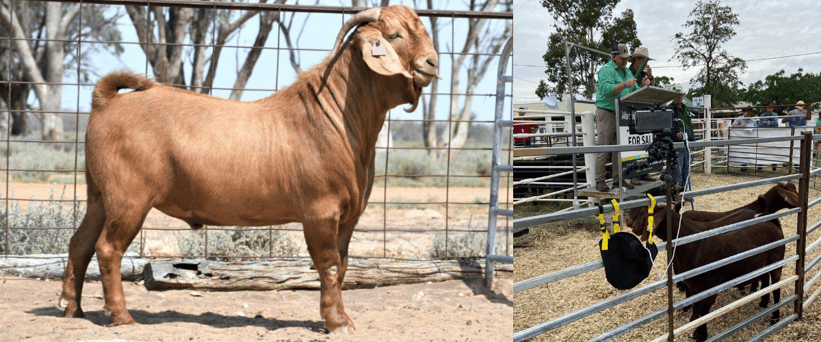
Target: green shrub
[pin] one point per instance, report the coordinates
(410, 167)
(41, 156)
(471, 244)
(238, 242)
(59, 217)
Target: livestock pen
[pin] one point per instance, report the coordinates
(560, 291)
(429, 207)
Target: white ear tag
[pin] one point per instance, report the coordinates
(378, 49)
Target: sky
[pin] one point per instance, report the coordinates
(319, 34)
(771, 36)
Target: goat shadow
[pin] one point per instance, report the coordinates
(143, 317)
(477, 285)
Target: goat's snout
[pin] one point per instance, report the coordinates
(427, 68)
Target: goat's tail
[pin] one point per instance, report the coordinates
(108, 86)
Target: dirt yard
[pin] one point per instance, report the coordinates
(447, 311)
(552, 247)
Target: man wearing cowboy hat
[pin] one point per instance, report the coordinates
(745, 120)
(681, 170)
(798, 116)
(768, 118)
(637, 58)
(615, 81)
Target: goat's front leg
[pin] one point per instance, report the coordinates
(700, 309)
(321, 237)
(342, 241)
(765, 281)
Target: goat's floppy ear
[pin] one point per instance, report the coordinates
(789, 196)
(378, 54)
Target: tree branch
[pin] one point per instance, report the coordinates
(222, 37)
(68, 17)
(266, 22)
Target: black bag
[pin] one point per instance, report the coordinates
(626, 261)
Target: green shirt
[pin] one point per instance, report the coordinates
(685, 125)
(609, 77)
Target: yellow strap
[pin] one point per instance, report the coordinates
(604, 236)
(616, 228)
(650, 217)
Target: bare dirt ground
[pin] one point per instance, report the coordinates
(553, 247)
(446, 311)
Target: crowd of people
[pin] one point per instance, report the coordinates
(797, 117)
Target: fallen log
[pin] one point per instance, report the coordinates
(50, 266)
(300, 274)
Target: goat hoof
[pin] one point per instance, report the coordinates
(62, 304)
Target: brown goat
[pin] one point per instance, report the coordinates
(304, 154)
(702, 252)
(780, 196)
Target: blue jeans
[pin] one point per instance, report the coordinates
(681, 168)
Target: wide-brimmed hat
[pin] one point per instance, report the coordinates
(679, 88)
(620, 50)
(640, 52)
(799, 103)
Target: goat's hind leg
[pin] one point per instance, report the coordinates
(80, 251)
(119, 230)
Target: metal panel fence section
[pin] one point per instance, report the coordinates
(496, 168)
(806, 182)
(452, 211)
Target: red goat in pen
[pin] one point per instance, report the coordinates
(304, 154)
(702, 252)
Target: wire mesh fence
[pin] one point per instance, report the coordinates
(430, 194)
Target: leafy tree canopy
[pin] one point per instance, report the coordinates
(783, 89)
(710, 26)
(588, 23)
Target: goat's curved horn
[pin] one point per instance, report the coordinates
(365, 16)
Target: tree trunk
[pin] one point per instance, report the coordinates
(199, 33)
(53, 123)
(429, 109)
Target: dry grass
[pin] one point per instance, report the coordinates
(553, 247)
